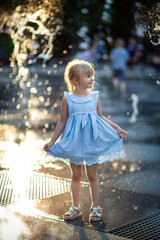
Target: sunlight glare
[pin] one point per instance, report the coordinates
(21, 159)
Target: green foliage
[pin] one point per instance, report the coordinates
(122, 24)
(82, 13)
(75, 15)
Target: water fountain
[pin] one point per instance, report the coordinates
(149, 18)
(33, 29)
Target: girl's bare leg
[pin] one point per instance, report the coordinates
(94, 183)
(77, 172)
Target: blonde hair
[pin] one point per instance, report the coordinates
(75, 70)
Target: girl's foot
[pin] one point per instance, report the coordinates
(96, 214)
(72, 213)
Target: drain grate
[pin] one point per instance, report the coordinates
(147, 228)
(32, 187)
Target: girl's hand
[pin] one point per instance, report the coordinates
(47, 146)
(122, 133)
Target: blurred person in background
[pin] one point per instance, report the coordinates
(119, 57)
(134, 51)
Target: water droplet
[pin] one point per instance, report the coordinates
(158, 82)
(41, 98)
(36, 75)
(123, 167)
(40, 83)
(33, 90)
(46, 125)
(46, 82)
(18, 106)
(135, 207)
(49, 89)
(21, 136)
(26, 123)
(44, 130)
(21, 95)
(28, 84)
(8, 86)
(84, 10)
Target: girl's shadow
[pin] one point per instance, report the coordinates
(78, 222)
(99, 225)
(79, 229)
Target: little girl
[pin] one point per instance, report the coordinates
(87, 136)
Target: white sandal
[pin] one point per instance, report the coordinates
(72, 213)
(96, 214)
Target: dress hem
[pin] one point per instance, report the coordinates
(85, 161)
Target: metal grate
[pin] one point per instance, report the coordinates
(147, 228)
(36, 186)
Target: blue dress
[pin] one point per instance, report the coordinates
(87, 138)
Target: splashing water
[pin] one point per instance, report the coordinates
(33, 29)
(150, 18)
(154, 32)
(135, 101)
(33, 34)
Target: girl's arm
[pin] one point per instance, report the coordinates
(121, 132)
(60, 125)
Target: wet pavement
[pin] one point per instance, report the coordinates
(35, 189)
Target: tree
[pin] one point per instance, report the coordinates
(122, 24)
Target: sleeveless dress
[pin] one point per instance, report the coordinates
(87, 139)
